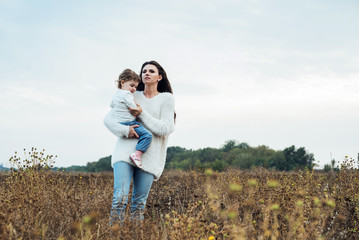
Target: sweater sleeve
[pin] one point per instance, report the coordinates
(165, 124)
(116, 128)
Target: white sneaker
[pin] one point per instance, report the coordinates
(136, 160)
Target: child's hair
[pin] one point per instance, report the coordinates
(128, 75)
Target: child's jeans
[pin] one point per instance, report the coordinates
(145, 137)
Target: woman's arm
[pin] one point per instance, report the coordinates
(165, 125)
(116, 128)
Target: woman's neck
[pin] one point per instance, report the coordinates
(150, 91)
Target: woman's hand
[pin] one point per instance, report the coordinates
(132, 133)
(136, 111)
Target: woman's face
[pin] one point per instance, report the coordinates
(150, 75)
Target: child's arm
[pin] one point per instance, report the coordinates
(129, 100)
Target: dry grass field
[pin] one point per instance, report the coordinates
(256, 204)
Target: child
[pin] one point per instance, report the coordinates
(122, 100)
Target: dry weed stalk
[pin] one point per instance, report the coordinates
(259, 204)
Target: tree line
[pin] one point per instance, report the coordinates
(232, 154)
(239, 155)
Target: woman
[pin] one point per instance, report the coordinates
(156, 112)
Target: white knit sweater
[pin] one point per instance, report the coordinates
(158, 117)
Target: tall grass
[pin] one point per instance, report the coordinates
(257, 204)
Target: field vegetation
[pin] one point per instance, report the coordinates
(37, 203)
(232, 154)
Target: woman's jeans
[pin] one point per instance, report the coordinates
(142, 182)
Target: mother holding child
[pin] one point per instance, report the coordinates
(142, 120)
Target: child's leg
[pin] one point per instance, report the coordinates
(139, 153)
(145, 137)
(144, 140)
(143, 143)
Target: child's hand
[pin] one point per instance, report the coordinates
(136, 111)
(132, 132)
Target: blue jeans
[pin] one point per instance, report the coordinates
(142, 181)
(145, 137)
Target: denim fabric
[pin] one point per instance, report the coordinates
(145, 136)
(142, 182)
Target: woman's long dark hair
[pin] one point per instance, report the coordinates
(163, 85)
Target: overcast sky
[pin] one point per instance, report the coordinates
(275, 73)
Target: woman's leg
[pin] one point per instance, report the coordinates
(123, 173)
(142, 182)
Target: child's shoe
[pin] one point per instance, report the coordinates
(136, 160)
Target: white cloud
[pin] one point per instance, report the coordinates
(37, 96)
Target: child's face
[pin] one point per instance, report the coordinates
(129, 85)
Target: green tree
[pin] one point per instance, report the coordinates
(229, 145)
(327, 168)
(172, 151)
(298, 159)
(102, 165)
(278, 161)
(219, 165)
(243, 145)
(209, 154)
